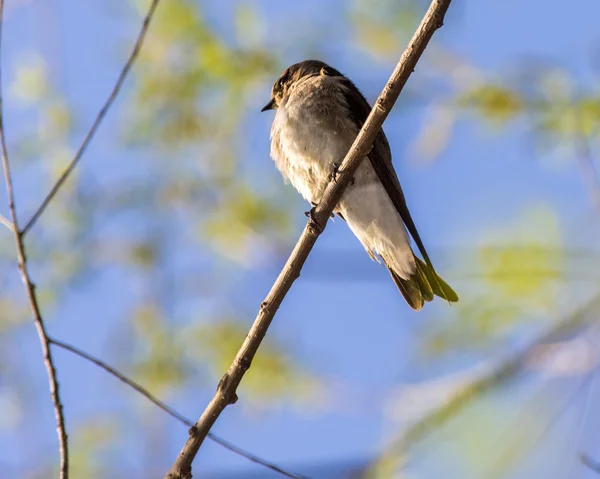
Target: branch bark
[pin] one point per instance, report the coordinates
(30, 291)
(226, 390)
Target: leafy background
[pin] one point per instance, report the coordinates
(157, 253)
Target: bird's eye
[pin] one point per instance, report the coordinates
(280, 82)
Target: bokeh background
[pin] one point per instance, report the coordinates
(158, 251)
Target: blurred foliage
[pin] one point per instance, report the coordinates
(91, 444)
(494, 103)
(559, 112)
(229, 231)
(158, 360)
(183, 183)
(494, 443)
(186, 73)
(520, 270)
(11, 409)
(49, 122)
(192, 88)
(525, 268)
(527, 276)
(12, 314)
(274, 377)
(177, 208)
(504, 446)
(381, 26)
(52, 117)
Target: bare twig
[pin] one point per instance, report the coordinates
(502, 372)
(247, 455)
(101, 114)
(6, 222)
(169, 410)
(226, 390)
(30, 289)
(180, 417)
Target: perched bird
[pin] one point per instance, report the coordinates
(319, 113)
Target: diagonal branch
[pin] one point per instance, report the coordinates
(31, 295)
(101, 114)
(226, 390)
(169, 410)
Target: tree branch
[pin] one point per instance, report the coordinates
(101, 114)
(492, 378)
(6, 222)
(226, 390)
(30, 290)
(166, 408)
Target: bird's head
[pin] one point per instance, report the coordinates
(293, 76)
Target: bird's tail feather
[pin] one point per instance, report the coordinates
(422, 285)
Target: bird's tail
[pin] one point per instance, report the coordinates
(422, 285)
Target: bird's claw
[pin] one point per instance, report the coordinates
(334, 172)
(312, 211)
(312, 222)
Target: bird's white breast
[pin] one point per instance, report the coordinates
(311, 132)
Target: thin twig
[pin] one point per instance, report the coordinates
(169, 410)
(502, 372)
(226, 390)
(247, 455)
(30, 289)
(101, 114)
(180, 417)
(6, 222)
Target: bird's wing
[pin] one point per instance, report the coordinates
(381, 160)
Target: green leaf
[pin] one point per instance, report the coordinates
(493, 103)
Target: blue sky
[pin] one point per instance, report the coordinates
(357, 334)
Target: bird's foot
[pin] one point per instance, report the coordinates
(313, 224)
(334, 172)
(311, 212)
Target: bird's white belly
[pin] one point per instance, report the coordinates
(372, 217)
(311, 132)
(308, 151)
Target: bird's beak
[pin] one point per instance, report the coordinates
(269, 106)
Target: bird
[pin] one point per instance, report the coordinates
(318, 114)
